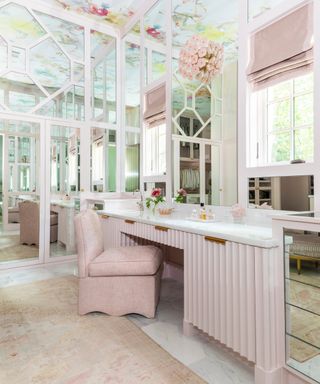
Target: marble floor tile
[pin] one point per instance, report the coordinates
(223, 372)
(188, 350)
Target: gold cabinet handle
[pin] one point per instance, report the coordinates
(159, 228)
(215, 240)
(104, 217)
(129, 221)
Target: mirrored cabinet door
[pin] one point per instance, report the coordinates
(302, 295)
(20, 190)
(64, 189)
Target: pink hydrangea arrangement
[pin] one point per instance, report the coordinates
(237, 211)
(200, 59)
(181, 193)
(155, 199)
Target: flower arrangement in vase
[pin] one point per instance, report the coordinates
(155, 198)
(181, 194)
(201, 59)
(238, 213)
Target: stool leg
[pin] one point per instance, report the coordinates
(299, 266)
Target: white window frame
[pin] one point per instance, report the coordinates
(259, 132)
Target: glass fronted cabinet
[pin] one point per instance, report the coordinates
(302, 300)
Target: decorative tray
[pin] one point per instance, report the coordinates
(198, 220)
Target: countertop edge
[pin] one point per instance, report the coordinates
(272, 243)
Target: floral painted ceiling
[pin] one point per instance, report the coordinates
(216, 20)
(116, 12)
(257, 7)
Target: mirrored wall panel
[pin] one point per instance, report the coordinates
(103, 160)
(302, 276)
(132, 84)
(132, 107)
(132, 161)
(65, 186)
(276, 193)
(65, 160)
(42, 64)
(204, 99)
(155, 42)
(103, 66)
(20, 190)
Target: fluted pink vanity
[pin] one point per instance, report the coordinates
(231, 279)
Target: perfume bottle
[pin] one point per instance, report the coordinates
(203, 213)
(210, 215)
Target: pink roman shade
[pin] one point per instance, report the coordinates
(282, 50)
(155, 106)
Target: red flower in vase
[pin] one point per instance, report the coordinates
(156, 192)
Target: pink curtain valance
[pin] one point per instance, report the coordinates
(282, 50)
(155, 104)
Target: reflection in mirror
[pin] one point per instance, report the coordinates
(155, 41)
(39, 65)
(204, 115)
(103, 160)
(132, 159)
(132, 109)
(65, 160)
(148, 187)
(19, 190)
(132, 84)
(65, 185)
(276, 193)
(103, 64)
(302, 256)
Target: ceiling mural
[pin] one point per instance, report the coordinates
(216, 20)
(258, 7)
(40, 56)
(154, 23)
(18, 26)
(116, 12)
(70, 36)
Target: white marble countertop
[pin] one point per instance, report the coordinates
(259, 236)
(63, 203)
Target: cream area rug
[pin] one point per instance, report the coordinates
(43, 340)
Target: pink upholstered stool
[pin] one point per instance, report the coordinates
(116, 281)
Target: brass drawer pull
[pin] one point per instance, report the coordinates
(104, 217)
(215, 240)
(129, 221)
(159, 228)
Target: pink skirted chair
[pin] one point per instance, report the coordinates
(116, 281)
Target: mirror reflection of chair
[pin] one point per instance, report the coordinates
(116, 281)
(29, 223)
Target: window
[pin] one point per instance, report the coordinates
(282, 122)
(155, 149)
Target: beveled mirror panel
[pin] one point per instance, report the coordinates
(19, 190)
(277, 193)
(204, 114)
(103, 160)
(302, 276)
